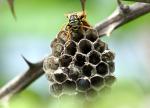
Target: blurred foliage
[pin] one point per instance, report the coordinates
(124, 94)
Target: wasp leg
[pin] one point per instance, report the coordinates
(87, 27)
(68, 37)
(85, 23)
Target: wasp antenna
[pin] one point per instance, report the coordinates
(83, 5)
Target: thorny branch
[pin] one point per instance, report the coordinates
(120, 17)
(22, 81)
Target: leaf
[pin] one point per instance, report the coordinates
(143, 1)
(11, 5)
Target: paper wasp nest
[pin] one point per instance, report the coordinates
(82, 65)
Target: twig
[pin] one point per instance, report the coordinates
(117, 19)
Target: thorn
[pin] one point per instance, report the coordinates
(83, 5)
(27, 61)
(11, 5)
(124, 8)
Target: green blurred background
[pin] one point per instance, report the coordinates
(39, 21)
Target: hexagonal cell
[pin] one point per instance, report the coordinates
(66, 70)
(74, 74)
(111, 66)
(83, 84)
(109, 80)
(62, 36)
(105, 89)
(97, 81)
(100, 46)
(87, 70)
(49, 77)
(91, 93)
(91, 35)
(70, 48)
(102, 68)
(59, 76)
(94, 57)
(80, 59)
(77, 36)
(54, 42)
(65, 60)
(85, 46)
(108, 55)
(57, 50)
(69, 86)
(50, 62)
(56, 89)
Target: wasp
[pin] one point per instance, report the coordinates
(77, 21)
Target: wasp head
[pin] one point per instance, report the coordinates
(75, 19)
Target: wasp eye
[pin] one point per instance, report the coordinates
(76, 20)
